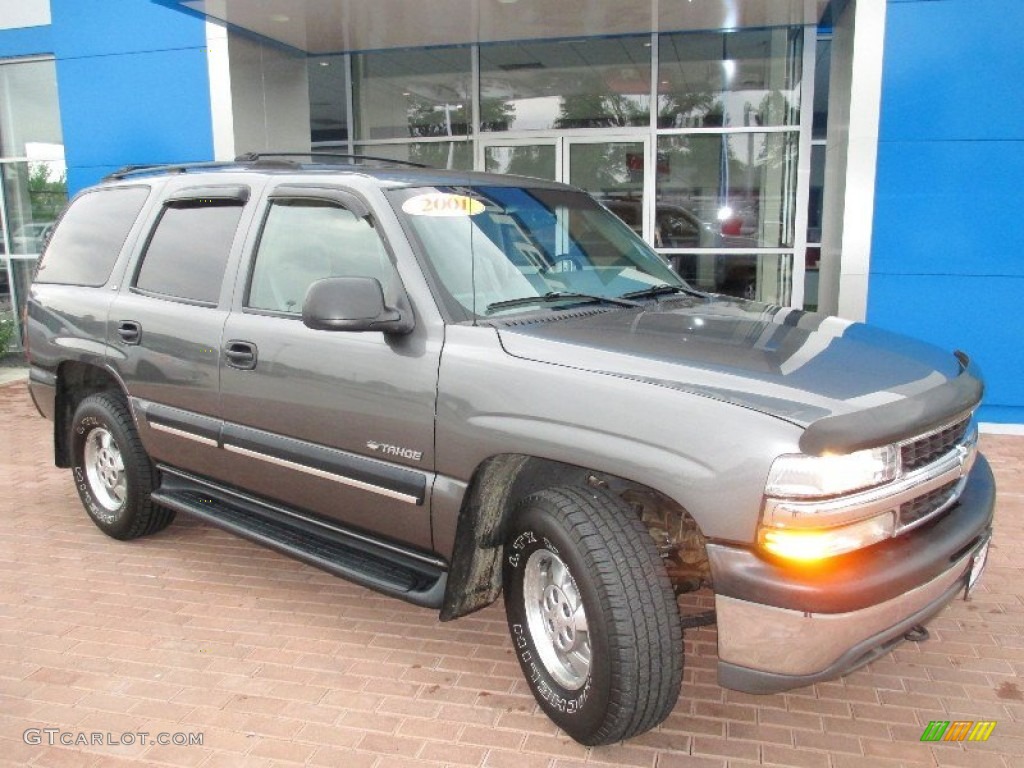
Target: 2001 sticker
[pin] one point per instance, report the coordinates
(442, 204)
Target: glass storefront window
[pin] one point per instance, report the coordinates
(822, 71)
(592, 83)
(29, 116)
(536, 160)
(33, 177)
(34, 193)
(730, 79)
(613, 172)
(328, 107)
(452, 155)
(761, 277)
(737, 190)
(412, 93)
(5, 285)
(816, 198)
(812, 267)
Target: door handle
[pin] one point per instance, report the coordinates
(241, 355)
(129, 331)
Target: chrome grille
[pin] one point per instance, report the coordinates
(926, 449)
(927, 504)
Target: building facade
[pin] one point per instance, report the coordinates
(840, 156)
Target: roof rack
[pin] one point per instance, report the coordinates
(249, 158)
(133, 170)
(252, 157)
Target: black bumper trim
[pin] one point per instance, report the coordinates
(42, 389)
(866, 577)
(38, 375)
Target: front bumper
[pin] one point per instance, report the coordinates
(779, 628)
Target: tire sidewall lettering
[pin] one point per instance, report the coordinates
(521, 542)
(557, 698)
(86, 424)
(100, 515)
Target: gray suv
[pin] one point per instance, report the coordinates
(445, 386)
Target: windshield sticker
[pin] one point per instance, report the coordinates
(441, 204)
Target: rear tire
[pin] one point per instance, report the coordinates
(592, 614)
(113, 473)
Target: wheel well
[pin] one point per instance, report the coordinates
(501, 482)
(75, 382)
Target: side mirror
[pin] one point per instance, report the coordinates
(351, 304)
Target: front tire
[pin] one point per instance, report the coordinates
(592, 614)
(113, 473)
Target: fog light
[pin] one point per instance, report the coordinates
(810, 545)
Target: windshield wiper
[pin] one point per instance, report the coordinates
(661, 290)
(560, 296)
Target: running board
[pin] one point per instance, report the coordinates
(406, 574)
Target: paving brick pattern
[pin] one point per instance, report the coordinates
(277, 663)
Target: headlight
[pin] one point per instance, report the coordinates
(797, 526)
(796, 476)
(811, 544)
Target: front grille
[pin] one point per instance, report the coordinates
(927, 449)
(922, 506)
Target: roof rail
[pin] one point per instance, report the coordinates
(135, 170)
(253, 157)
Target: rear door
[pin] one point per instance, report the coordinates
(165, 324)
(340, 424)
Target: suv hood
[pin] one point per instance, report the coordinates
(795, 365)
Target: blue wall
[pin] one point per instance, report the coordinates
(132, 81)
(947, 260)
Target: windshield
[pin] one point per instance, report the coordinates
(493, 248)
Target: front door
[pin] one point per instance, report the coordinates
(336, 423)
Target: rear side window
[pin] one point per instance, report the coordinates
(90, 235)
(188, 251)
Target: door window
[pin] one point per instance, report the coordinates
(307, 240)
(188, 251)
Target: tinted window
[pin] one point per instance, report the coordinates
(187, 253)
(90, 236)
(306, 240)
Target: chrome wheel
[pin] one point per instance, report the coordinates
(556, 619)
(104, 469)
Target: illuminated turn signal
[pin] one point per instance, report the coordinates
(810, 545)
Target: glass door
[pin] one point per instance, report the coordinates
(614, 172)
(540, 158)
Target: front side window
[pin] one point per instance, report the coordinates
(494, 249)
(307, 240)
(188, 251)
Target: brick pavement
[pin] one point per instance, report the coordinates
(278, 663)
